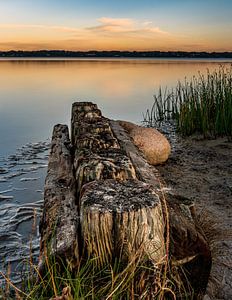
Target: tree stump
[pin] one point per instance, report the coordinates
(122, 219)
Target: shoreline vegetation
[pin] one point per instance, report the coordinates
(114, 54)
(201, 105)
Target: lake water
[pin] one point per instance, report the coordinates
(37, 94)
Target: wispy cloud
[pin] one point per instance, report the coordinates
(108, 33)
(111, 25)
(39, 26)
(117, 25)
(147, 23)
(27, 45)
(116, 21)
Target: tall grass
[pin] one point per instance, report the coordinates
(202, 105)
(137, 279)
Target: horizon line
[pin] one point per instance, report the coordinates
(131, 51)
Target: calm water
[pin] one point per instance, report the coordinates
(35, 95)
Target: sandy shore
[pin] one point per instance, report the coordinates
(202, 170)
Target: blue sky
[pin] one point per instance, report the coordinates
(140, 25)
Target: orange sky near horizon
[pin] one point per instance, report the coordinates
(170, 26)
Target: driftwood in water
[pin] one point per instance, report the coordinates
(106, 183)
(59, 222)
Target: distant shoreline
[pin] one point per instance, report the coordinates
(112, 54)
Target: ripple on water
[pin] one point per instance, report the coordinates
(21, 188)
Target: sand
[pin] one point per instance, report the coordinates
(202, 170)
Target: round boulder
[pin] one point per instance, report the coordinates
(153, 144)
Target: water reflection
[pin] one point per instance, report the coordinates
(36, 94)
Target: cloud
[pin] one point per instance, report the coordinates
(155, 30)
(39, 26)
(112, 25)
(147, 23)
(116, 22)
(117, 25)
(108, 33)
(26, 45)
(107, 25)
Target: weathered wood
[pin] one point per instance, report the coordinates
(188, 248)
(99, 158)
(97, 152)
(90, 130)
(144, 171)
(101, 191)
(59, 223)
(122, 219)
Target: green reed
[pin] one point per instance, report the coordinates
(202, 105)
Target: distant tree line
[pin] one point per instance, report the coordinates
(123, 54)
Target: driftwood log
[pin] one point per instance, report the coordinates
(115, 200)
(60, 220)
(102, 198)
(188, 248)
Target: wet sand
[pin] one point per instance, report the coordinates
(202, 170)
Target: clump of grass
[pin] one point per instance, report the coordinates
(137, 279)
(202, 105)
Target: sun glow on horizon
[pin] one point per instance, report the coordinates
(159, 27)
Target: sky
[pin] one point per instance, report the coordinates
(142, 25)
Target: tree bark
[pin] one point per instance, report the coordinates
(122, 219)
(97, 152)
(59, 222)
